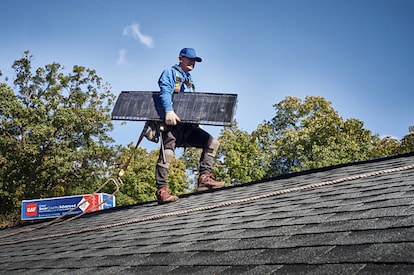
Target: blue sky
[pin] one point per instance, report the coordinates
(358, 54)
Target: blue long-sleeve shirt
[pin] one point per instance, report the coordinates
(167, 82)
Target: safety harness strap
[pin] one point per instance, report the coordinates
(179, 81)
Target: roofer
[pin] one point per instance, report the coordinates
(178, 134)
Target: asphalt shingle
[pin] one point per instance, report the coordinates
(287, 225)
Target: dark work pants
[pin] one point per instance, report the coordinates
(184, 135)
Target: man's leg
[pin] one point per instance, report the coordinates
(201, 139)
(207, 155)
(161, 170)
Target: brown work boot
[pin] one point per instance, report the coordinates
(206, 182)
(164, 197)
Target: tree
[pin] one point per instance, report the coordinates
(191, 160)
(310, 134)
(407, 144)
(239, 159)
(385, 146)
(53, 133)
(139, 179)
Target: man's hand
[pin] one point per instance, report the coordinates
(171, 118)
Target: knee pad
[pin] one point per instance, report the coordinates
(213, 147)
(169, 155)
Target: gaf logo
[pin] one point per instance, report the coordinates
(31, 209)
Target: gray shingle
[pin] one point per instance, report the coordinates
(362, 226)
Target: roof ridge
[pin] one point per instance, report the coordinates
(332, 167)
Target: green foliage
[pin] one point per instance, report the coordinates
(240, 159)
(191, 160)
(310, 134)
(303, 134)
(385, 146)
(53, 133)
(407, 144)
(139, 179)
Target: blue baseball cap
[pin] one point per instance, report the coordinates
(190, 53)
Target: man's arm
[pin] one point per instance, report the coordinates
(166, 83)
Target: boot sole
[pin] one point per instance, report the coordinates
(165, 202)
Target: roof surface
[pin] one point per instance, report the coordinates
(349, 219)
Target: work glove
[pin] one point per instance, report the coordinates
(171, 118)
